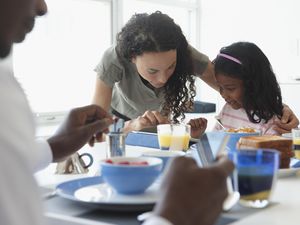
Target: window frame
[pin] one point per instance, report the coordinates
(116, 6)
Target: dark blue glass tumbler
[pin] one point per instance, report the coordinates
(255, 175)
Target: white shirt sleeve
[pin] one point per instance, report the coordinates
(17, 131)
(157, 220)
(43, 155)
(20, 202)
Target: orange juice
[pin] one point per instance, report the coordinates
(175, 142)
(296, 147)
(186, 141)
(164, 141)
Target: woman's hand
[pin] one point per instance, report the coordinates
(148, 119)
(198, 127)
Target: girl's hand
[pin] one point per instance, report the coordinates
(198, 127)
(287, 122)
(148, 119)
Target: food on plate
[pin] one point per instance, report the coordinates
(283, 145)
(141, 163)
(241, 130)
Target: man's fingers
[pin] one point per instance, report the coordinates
(94, 111)
(92, 141)
(98, 126)
(225, 165)
(184, 162)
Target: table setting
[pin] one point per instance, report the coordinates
(93, 196)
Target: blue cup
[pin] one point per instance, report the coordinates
(255, 175)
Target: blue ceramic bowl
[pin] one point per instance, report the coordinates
(130, 179)
(164, 155)
(235, 137)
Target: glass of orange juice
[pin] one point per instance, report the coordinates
(174, 137)
(296, 141)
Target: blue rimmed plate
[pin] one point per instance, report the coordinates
(294, 169)
(93, 190)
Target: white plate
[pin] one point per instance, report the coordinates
(288, 172)
(93, 190)
(292, 171)
(287, 135)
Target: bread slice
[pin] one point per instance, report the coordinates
(283, 145)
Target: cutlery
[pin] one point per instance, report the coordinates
(206, 157)
(144, 216)
(220, 123)
(232, 198)
(117, 125)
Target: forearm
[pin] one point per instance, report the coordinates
(208, 76)
(127, 127)
(203, 68)
(132, 125)
(102, 95)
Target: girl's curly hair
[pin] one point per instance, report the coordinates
(262, 96)
(157, 32)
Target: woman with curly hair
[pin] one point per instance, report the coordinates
(147, 78)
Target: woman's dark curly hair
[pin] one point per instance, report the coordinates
(157, 32)
(262, 96)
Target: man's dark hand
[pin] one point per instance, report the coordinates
(191, 195)
(81, 126)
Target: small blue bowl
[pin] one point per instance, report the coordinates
(235, 137)
(130, 179)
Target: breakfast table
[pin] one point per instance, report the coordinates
(59, 210)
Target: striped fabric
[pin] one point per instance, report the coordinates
(232, 118)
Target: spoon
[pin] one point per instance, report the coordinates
(232, 198)
(144, 216)
(220, 123)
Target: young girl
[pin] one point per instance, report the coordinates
(249, 87)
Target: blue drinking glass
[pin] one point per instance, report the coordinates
(255, 175)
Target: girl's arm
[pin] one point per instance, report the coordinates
(198, 127)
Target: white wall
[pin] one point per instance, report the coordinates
(272, 24)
